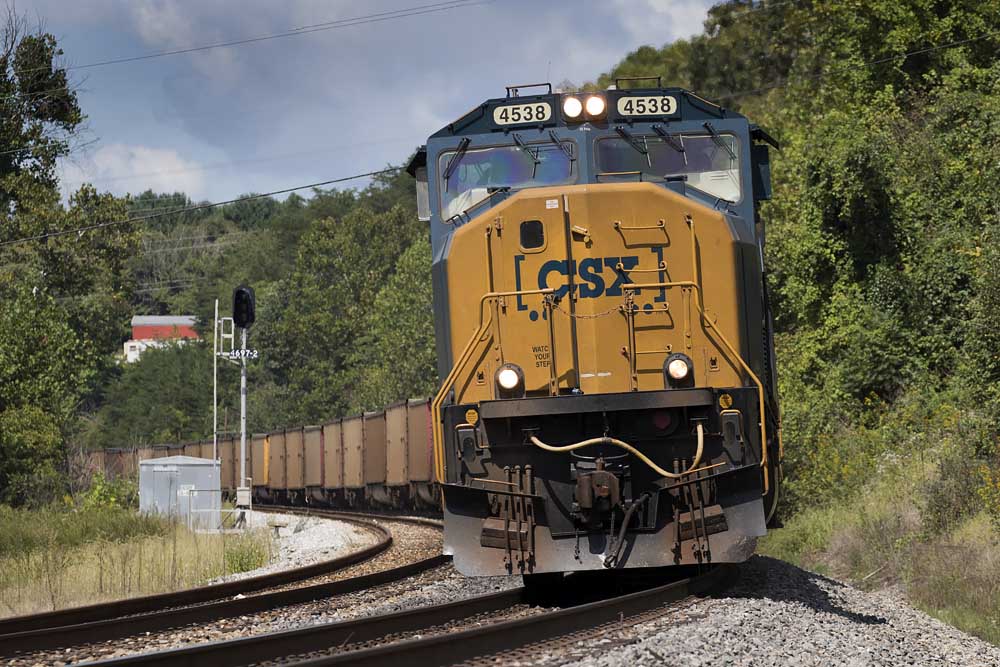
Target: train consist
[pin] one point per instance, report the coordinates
(604, 339)
(378, 459)
(603, 331)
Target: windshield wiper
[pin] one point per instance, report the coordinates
(669, 139)
(719, 141)
(463, 145)
(519, 142)
(632, 141)
(565, 148)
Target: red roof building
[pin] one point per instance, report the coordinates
(155, 330)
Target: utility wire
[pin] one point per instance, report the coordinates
(391, 141)
(197, 207)
(417, 10)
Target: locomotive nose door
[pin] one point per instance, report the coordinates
(533, 246)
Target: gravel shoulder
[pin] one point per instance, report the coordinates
(304, 540)
(780, 615)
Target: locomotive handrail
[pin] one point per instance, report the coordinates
(463, 359)
(484, 324)
(707, 323)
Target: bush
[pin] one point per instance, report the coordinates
(246, 552)
(989, 493)
(952, 495)
(29, 455)
(110, 493)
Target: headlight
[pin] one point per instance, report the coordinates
(595, 105)
(678, 371)
(507, 378)
(572, 107)
(510, 381)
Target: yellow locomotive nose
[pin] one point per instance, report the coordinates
(598, 329)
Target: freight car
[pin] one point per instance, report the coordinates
(603, 331)
(378, 459)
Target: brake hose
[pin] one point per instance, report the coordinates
(629, 448)
(617, 543)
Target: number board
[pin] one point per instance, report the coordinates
(536, 112)
(647, 105)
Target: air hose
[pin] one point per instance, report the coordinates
(616, 545)
(632, 450)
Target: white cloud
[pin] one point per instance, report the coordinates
(657, 22)
(380, 88)
(121, 168)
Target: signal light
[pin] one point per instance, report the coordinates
(244, 306)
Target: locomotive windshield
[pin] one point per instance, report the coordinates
(709, 163)
(469, 177)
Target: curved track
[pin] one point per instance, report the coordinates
(115, 620)
(448, 634)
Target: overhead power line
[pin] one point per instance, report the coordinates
(196, 207)
(417, 10)
(390, 141)
(379, 17)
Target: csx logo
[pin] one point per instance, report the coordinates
(593, 277)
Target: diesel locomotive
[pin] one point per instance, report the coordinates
(604, 338)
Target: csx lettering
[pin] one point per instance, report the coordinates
(598, 276)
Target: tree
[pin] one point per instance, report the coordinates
(63, 292)
(341, 267)
(395, 358)
(164, 397)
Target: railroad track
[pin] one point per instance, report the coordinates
(126, 618)
(475, 629)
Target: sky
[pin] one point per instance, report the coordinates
(322, 103)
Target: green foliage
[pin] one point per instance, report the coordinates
(63, 302)
(164, 397)
(104, 493)
(989, 492)
(395, 355)
(952, 494)
(341, 268)
(245, 552)
(29, 456)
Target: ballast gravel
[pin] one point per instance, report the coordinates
(304, 540)
(778, 615)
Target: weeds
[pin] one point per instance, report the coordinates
(29, 531)
(245, 552)
(51, 559)
(916, 526)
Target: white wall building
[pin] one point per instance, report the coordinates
(156, 331)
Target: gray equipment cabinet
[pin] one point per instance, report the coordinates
(183, 487)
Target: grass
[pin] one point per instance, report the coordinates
(24, 532)
(892, 533)
(52, 559)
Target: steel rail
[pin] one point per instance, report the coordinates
(445, 648)
(116, 625)
(278, 645)
(150, 603)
